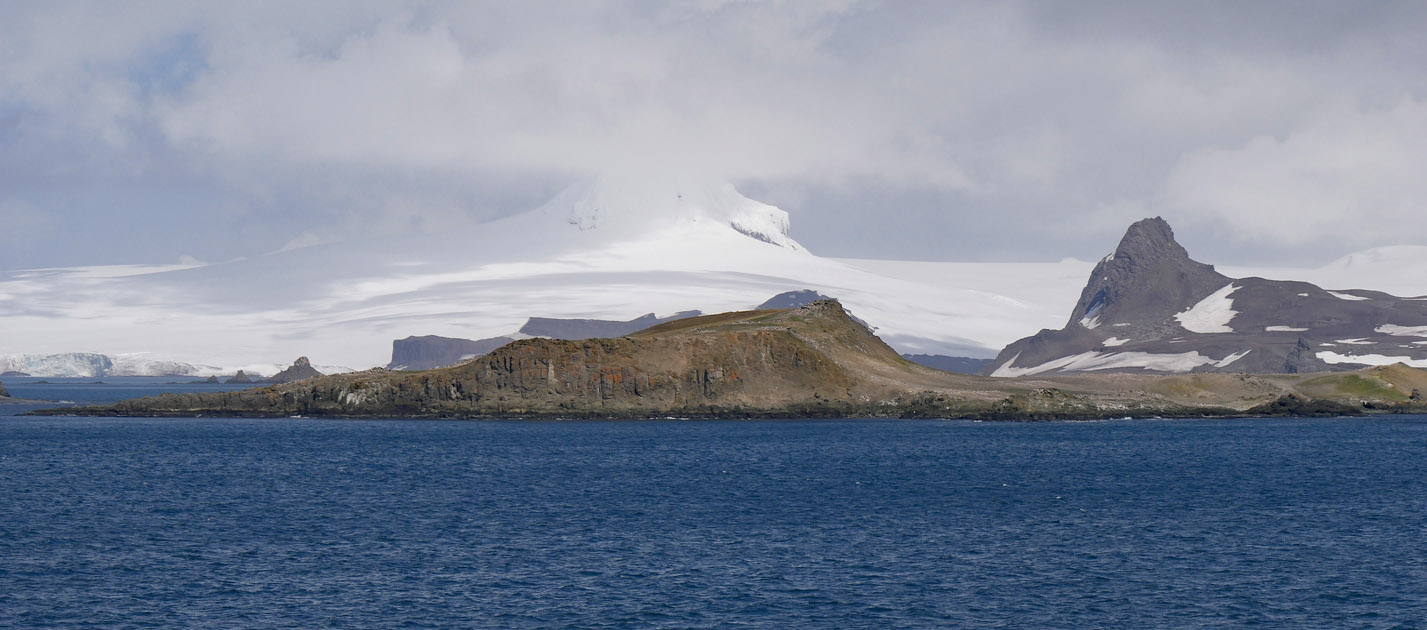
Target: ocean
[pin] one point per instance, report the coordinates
(208, 523)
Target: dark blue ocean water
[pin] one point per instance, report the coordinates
(133, 523)
(106, 389)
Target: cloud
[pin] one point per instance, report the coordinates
(921, 129)
(1348, 174)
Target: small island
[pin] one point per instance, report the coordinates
(813, 361)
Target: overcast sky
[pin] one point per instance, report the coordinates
(1282, 132)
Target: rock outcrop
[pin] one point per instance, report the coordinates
(240, 378)
(1149, 307)
(4, 393)
(430, 351)
(300, 370)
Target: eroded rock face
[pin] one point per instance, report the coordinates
(3, 392)
(240, 379)
(430, 351)
(1149, 307)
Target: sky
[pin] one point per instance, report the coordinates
(1265, 132)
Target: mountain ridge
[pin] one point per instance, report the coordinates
(1149, 307)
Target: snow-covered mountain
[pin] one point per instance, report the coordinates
(603, 249)
(606, 248)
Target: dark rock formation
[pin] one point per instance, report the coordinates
(430, 351)
(1147, 278)
(301, 370)
(1149, 307)
(240, 379)
(795, 299)
(792, 299)
(1301, 359)
(4, 393)
(960, 365)
(1300, 407)
(576, 329)
(212, 380)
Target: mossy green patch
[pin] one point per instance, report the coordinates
(1359, 386)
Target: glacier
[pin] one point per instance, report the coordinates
(605, 248)
(92, 365)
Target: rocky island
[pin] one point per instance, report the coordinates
(811, 361)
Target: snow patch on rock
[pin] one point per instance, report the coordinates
(1402, 331)
(1334, 358)
(1212, 314)
(1347, 296)
(1115, 341)
(1224, 362)
(1283, 329)
(1093, 360)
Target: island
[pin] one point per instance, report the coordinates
(808, 362)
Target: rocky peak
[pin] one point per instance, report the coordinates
(1150, 240)
(3, 392)
(301, 369)
(1148, 278)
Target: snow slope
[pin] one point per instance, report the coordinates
(1212, 314)
(1399, 270)
(605, 248)
(608, 249)
(1095, 360)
